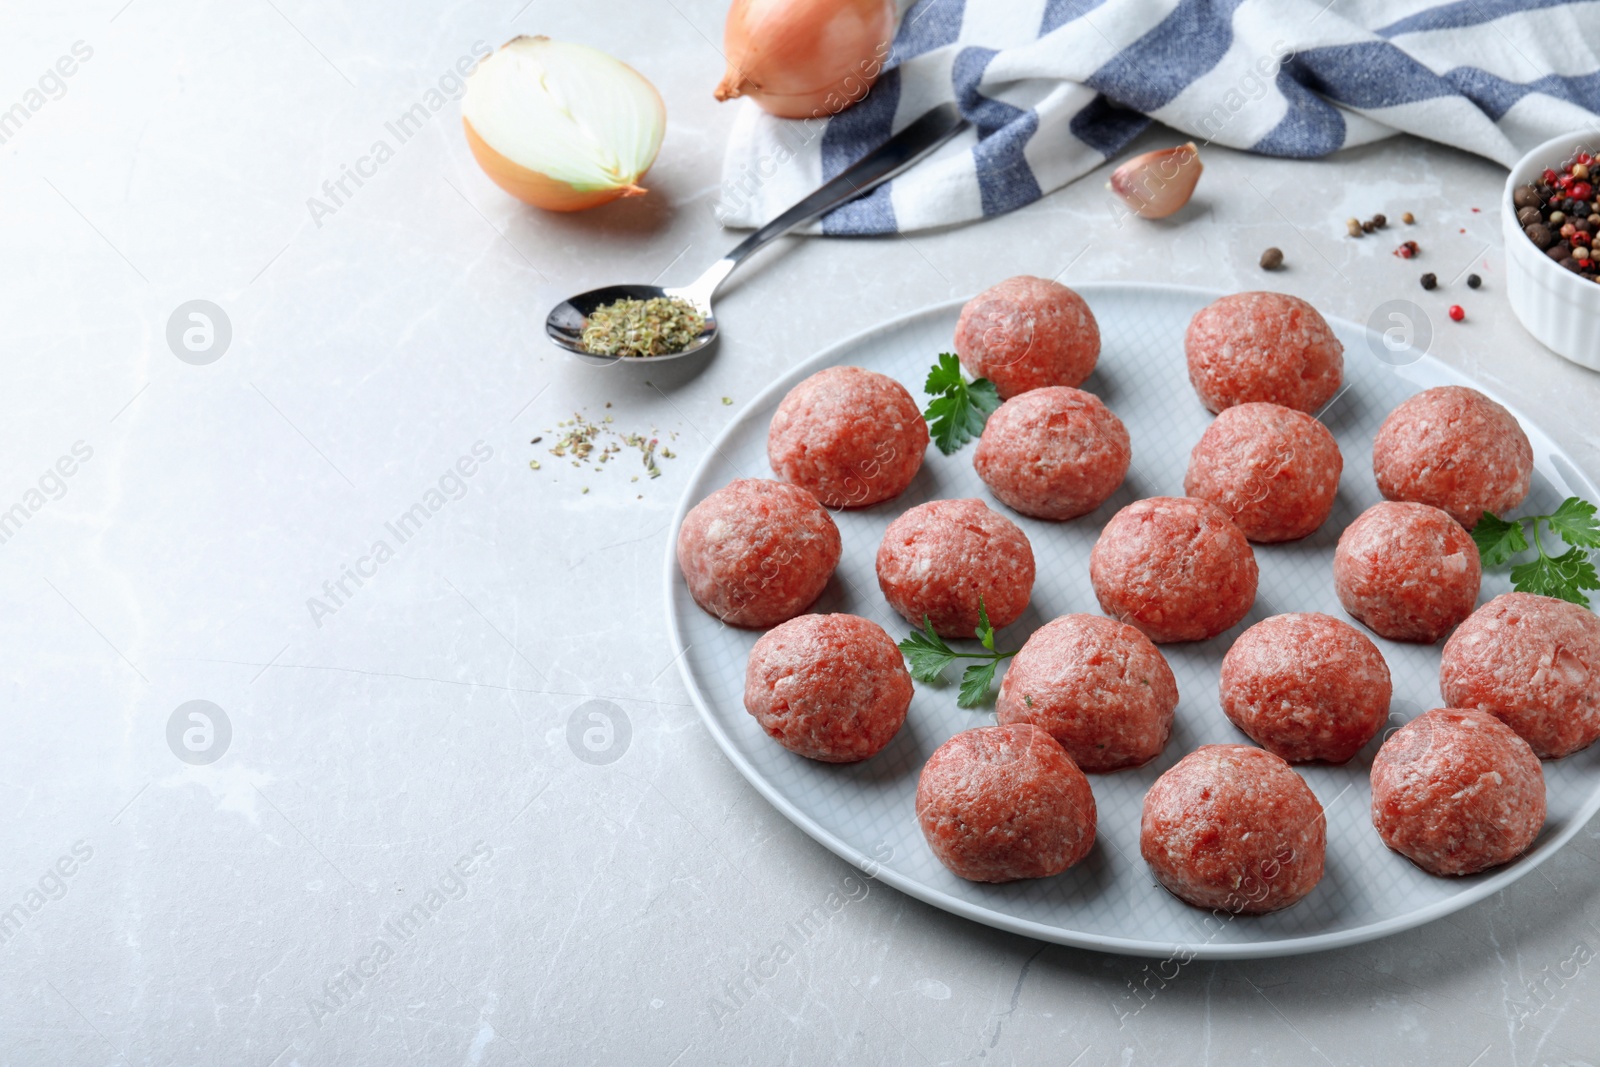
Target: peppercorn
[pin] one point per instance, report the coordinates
(1540, 235)
(1572, 264)
(1558, 217)
(1368, 227)
(1525, 196)
(1353, 227)
(1473, 281)
(1408, 218)
(1272, 259)
(1429, 281)
(1380, 221)
(1527, 216)
(1457, 313)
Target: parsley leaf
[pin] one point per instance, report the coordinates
(928, 656)
(959, 409)
(1574, 523)
(1498, 540)
(985, 631)
(926, 653)
(944, 375)
(1565, 576)
(1558, 576)
(975, 682)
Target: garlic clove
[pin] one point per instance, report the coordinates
(1156, 184)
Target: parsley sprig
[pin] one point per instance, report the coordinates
(1564, 576)
(928, 656)
(959, 408)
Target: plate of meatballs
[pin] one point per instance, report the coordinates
(1255, 693)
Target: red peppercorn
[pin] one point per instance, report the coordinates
(1584, 158)
(1456, 313)
(1581, 190)
(1568, 229)
(1549, 176)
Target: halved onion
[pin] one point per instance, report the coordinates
(562, 126)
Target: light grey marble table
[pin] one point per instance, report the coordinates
(398, 856)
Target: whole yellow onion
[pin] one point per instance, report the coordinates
(805, 58)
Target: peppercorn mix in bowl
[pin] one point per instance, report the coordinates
(1552, 276)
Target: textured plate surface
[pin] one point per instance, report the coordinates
(865, 812)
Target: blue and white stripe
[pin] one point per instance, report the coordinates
(1054, 88)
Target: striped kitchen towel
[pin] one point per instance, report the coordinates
(1056, 87)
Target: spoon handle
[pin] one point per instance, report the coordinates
(896, 154)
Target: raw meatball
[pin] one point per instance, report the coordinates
(1456, 791)
(1263, 346)
(1053, 453)
(1533, 662)
(1233, 828)
(939, 558)
(1005, 802)
(1099, 686)
(853, 437)
(1026, 333)
(1306, 687)
(1456, 449)
(1175, 567)
(1409, 571)
(1274, 470)
(756, 552)
(829, 687)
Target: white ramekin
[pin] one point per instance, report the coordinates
(1558, 307)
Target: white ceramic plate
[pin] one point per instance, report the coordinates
(865, 812)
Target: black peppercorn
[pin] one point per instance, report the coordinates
(1368, 227)
(1571, 264)
(1380, 221)
(1272, 259)
(1473, 281)
(1429, 281)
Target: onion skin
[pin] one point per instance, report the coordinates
(534, 188)
(805, 58)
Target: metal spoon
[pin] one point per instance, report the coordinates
(565, 324)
